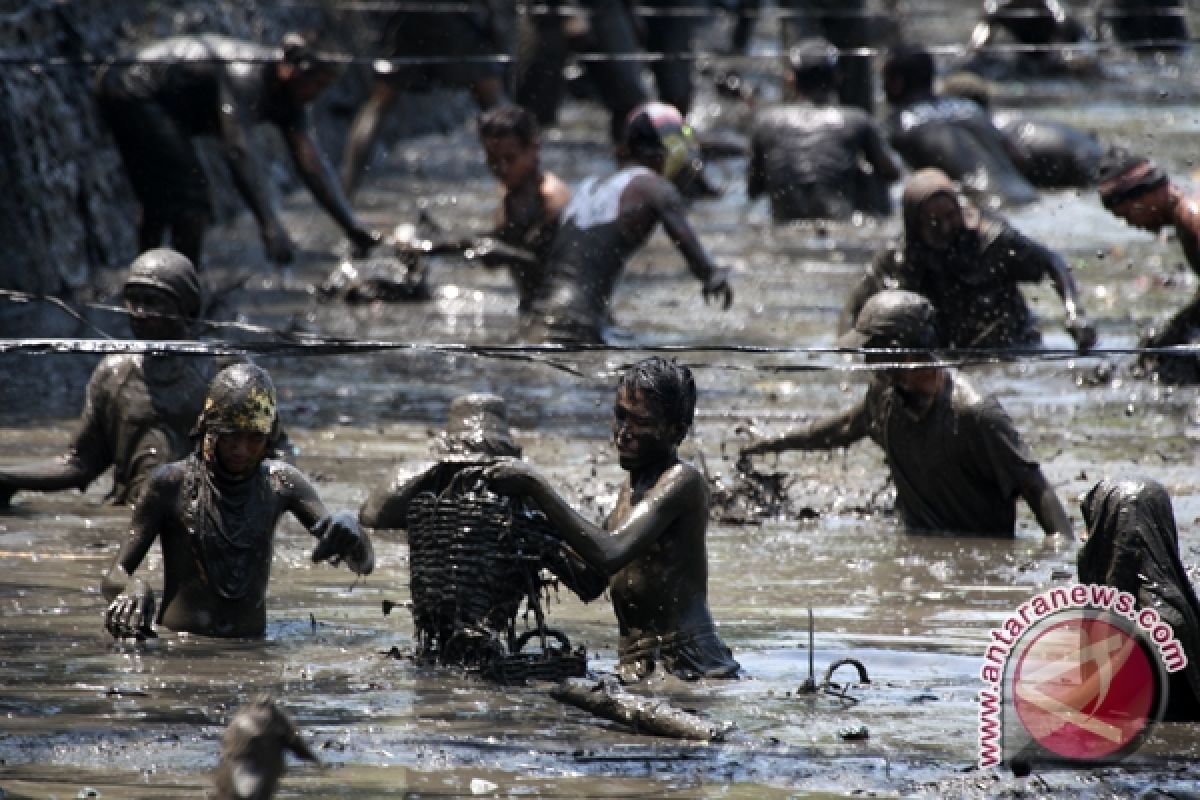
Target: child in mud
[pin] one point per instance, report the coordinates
(533, 198)
(215, 513)
(139, 408)
(652, 545)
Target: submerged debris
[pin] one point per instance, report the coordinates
(755, 495)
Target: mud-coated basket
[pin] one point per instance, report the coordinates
(473, 557)
(555, 662)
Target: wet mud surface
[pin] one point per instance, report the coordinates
(78, 711)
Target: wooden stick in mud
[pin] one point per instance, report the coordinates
(644, 715)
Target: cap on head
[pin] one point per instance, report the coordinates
(814, 63)
(893, 318)
(657, 131)
(241, 398)
(171, 272)
(478, 424)
(1123, 176)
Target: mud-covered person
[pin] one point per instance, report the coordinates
(1131, 543)
(1049, 40)
(1138, 190)
(609, 219)
(139, 408)
(533, 200)
(807, 155)
(477, 433)
(213, 86)
(952, 134)
(214, 514)
(970, 264)
(958, 462)
(653, 543)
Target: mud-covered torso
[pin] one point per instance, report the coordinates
(958, 466)
(188, 77)
(217, 539)
(136, 406)
(529, 227)
(589, 251)
(1053, 154)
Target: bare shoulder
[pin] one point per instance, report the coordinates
(683, 478)
(286, 478)
(555, 193)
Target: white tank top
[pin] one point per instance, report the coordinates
(597, 201)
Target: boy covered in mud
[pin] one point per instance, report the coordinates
(653, 543)
(139, 408)
(533, 198)
(215, 514)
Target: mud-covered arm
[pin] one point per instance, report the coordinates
(85, 459)
(882, 158)
(388, 508)
(1187, 227)
(149, 515)
(1044, 503)
(341, 536)
(673, 213)
(756, 169)
(868, 285)
(678, 491)
(320, 179)
(235, 131)
(840, 430)
(1030, 260)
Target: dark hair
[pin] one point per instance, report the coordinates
(672, 386)
(511, 121)
(912, 63)
(301, 52)
(814, 64)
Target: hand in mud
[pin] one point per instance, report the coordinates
(344, 540)
(717, 286)
(1083, 332)
(278, 244)
(131, 615)
(364, 241)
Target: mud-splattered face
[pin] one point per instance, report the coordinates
(640, 433)
(941, 221)
(154, 314)
(1147, 211)
(510, 160)
(239, 453)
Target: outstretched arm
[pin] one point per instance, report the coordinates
(321, 180)
(341, 537)
(1077, 324)
(837, 431)
(608, 551)
(671, 210)
(1043, 502)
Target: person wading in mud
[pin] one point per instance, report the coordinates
(533, 198)
(653, 543)
(969, 264)
(214, 514)
(1137, 190)
(608, 220)
(957, 461)
(806, 155)
(206, 85)
(139, 408)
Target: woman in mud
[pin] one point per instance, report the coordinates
(215, 513)
(969, 265)
(653, 543)
(1131, 544)
(139, 408)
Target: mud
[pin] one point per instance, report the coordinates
(81, 712)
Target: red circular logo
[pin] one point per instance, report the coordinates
(1085, 687)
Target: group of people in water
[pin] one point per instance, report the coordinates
(199, 452)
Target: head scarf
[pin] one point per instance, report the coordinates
(1123, 177)
(1134, 546)
(978, 231)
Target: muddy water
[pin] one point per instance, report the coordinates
(79, 712)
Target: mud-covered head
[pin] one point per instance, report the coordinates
(511, 144)
(654, 410)
(814, 67)
(1134, 188)
(893, 318)
(163, 295)
(478, 425)
(239, 421)
(657, 137)
(908, 72)
(252, 750)
(305, 70)
(934, 211)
